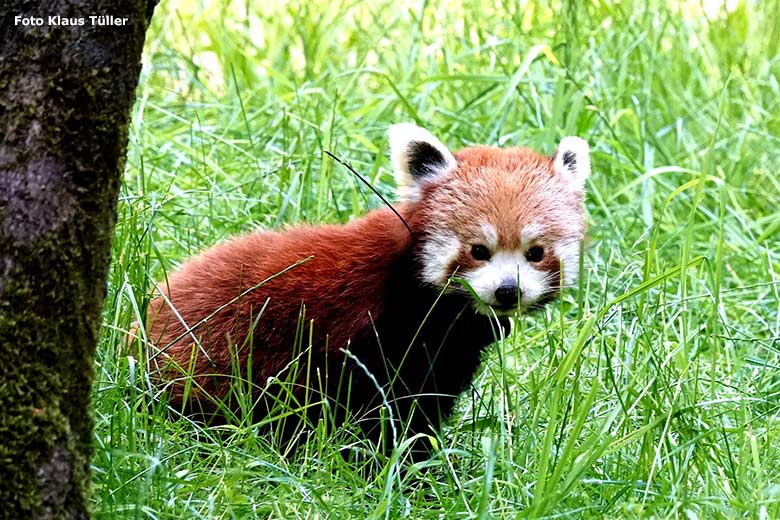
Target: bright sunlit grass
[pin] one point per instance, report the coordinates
(652, 390)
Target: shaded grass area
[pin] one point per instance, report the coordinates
(652, 389)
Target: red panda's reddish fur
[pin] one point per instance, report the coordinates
(340, 287)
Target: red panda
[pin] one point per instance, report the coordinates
(491, 232)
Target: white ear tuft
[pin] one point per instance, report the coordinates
(572, 160)
(417, 155)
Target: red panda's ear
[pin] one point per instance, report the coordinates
(417, 155)
(572, 160)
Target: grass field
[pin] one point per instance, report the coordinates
(651, 390)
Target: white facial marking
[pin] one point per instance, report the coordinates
(503, 267)
(568, 252)
(438, 251)
(530, 233)
(491, 236)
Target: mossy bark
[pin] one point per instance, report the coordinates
(65, 97)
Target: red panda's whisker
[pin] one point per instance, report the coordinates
(376, 192)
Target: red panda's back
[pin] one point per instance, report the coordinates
(252, 284)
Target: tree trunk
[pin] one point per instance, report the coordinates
(65, 99)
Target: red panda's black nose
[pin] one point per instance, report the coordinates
(507, 294)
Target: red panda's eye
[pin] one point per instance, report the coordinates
(534, 254)
(480, 252)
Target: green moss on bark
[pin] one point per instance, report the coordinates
(65, 100)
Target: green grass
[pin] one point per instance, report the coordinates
(653, 390)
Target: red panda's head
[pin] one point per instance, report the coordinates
(508, 221)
